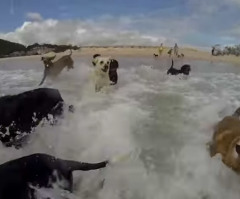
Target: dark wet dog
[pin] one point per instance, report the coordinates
(185, 69)
(39, 170)
(113, 66)
(155, 55)
(20, 113)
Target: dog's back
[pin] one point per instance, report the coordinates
(54, 68)
(24, 111)
(40, 170)
(60, 64)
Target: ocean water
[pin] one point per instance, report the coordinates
(164, 121)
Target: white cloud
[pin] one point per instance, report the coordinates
(206, 22)
(80, 33)
(34, 16)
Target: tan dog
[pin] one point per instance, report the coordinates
(226, 141)
(53, 69)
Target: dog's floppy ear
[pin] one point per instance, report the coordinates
(96, 55)
(223, 135)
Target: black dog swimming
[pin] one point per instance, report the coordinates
(113, 66)
(19, 114)
(39, 170)
(185, 69)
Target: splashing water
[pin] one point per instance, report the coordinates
(165, 120)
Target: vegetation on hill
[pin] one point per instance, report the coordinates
(7, 47)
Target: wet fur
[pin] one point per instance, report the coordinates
(225, 141)
(39, 170)
(21, 113)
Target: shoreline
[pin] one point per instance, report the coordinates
(189, 54)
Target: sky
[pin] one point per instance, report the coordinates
(198, 23)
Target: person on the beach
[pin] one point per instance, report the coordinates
(176, 49)
(170, 52)
(160, 49)
(213, 49)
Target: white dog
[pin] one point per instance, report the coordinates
(101, 71)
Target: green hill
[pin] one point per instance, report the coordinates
(7, 47)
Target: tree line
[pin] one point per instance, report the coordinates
(8, 47)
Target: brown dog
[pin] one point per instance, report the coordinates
(53, 69)
(226, 141)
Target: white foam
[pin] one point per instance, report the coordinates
(167, 119)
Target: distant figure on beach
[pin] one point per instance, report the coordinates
(160, 49)
(176, 49)
(170, 52)
(213, 49)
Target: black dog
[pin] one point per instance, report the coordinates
(185, 69)
(19, 114)
(155, 55)
(113, 66)
(39, 170)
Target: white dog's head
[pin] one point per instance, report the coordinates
(102, 63)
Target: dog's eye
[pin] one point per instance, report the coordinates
(101, 62)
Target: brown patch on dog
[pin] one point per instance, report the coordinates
(226, 141)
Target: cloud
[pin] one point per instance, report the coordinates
(79, 32)
(199, 23)
(33, 16)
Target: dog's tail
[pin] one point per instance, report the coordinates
(172, 64)
(75, 165)
(170, 68)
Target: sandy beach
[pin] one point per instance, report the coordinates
(189, 53)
